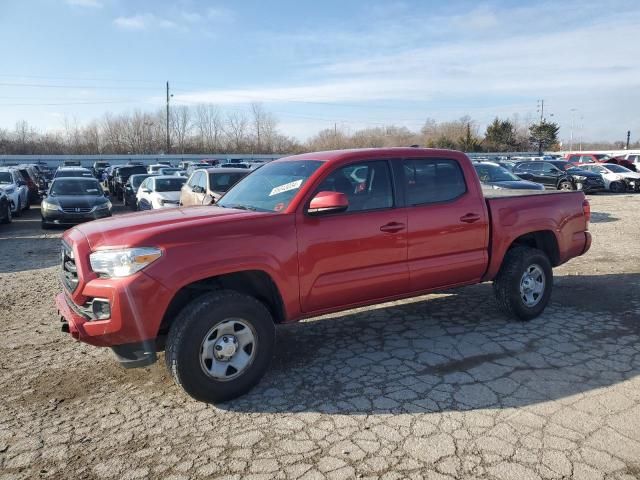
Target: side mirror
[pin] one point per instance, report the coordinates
(21, 183)
(146, 190)
(328, 202)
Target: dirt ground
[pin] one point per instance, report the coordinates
(443, 386)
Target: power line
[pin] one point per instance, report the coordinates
(67, 103)
(87, 87)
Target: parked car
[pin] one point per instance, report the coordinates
(235, 165)
(616, 177)
(301, 237)
(15, 188)
(99, 168)
(71, 163)
(634, 158)
(5, 208)
(184, 165)
(130, 197)
(33, 184)
(206, 186)
(170, 171)
(582, 158)
(160, 192)
(155, 168)
(165, 162)
(497, 177)
(122, 175)
(560, 175)
(71, 172)
(73, 200)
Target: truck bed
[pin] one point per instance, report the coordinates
(514, 213)
(492, 193)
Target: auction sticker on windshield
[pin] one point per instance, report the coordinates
(286, 187)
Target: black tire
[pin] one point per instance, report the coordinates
(27, 206)
(124, 201)
(565, 185)
(45, 225)
(7, 214)
(195, 322)
(617, 187)
(506, 285)
(18, 212)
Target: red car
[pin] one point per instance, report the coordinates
(303, 236)
(580, 158)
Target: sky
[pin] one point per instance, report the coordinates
(316, 64)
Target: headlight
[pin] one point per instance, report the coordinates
(122, 263)
(9, 190)
(52, 207)
(104, 206)
(580, 178)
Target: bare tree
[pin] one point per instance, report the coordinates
(209, 126)
(236, 131)
(181, 126)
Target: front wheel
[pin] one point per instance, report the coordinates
(524, 283)
(220, 345)
(617, 187)
(565, 185)
(7, 214)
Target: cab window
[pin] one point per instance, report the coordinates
(433, 180)
(366, 185)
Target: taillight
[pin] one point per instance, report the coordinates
(586, 210)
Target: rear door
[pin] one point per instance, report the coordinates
(358, 255)
(448, 224)
(549, 174)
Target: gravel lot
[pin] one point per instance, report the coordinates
(443, 386)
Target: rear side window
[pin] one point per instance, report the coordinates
(431, 181)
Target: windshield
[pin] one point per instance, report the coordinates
(6, 177)
(76, 187)
(494, 173)
(169, 184)
(169, 171)
(616, 168)
(136, 180)
(577, 171)
(221, 182)
(271, 187)
(73, 173)
(128, 171)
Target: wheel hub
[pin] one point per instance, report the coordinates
(532, 285)
(225, 347)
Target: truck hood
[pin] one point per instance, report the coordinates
(135, 228)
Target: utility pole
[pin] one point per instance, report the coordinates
(168, 135)
(572, 125)
(541, 109)
(628, 138)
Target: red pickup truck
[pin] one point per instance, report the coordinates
(299, 237)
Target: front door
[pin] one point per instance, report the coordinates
(357, 255)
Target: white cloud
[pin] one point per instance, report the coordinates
(143, 21)
(220, 14)
(85, 3)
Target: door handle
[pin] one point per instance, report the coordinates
(392, 227)
(470, 218)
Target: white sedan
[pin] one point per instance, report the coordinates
(161, 191)
(616, 177)
(16, 189)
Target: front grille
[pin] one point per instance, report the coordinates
(77, 209)
(69, 276)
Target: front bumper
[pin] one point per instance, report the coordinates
(62, 218)
(590, 187)
(137, 306)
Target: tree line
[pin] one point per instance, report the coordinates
(206, 128)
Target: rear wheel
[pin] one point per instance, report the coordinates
(524, 283)
(220, 345)
(565, 185)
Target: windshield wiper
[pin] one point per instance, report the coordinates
(239, 207)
